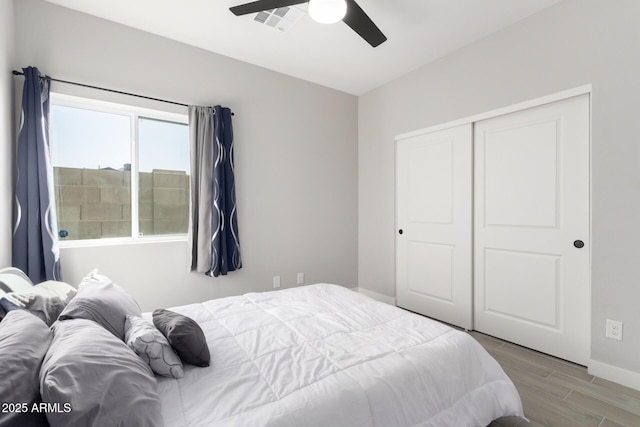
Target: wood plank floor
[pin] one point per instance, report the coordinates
(558, 393)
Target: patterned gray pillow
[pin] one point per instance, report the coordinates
(149, 343)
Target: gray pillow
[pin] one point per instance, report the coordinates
(152, 347)
(104, 302)
(24, 340)
(98, 377)
(45, 300)
(184, 335)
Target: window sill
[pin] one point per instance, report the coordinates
(121, 241)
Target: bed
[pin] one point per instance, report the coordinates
(318, 355)
(323, 355)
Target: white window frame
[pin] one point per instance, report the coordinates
(134, 114)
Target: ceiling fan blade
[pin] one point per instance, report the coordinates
(260, 5)
(360, 22)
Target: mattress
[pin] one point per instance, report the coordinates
(323, 355)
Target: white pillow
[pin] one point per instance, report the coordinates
(149, 343)
(13, 280)
(45, 300)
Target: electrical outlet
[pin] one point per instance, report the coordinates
(276, 282)
(300, 278)
(614, 330)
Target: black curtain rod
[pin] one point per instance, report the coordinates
(19, 73)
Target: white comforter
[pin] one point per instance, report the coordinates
(323, 355)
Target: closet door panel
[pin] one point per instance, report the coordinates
(433, 240)
(531, 204)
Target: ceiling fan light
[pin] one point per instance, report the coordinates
(327, 11)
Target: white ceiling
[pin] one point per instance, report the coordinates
(418, 31)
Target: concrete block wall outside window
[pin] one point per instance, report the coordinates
(96, 203)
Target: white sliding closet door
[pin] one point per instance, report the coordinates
(531, 228)
(433, 214)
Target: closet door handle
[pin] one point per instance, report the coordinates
(578, 244)
(400, 231)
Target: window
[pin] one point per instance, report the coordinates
(119, 171)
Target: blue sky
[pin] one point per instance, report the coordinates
(90, 139)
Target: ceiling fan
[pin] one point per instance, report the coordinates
(324, 11)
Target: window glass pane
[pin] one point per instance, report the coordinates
(91, 157)
(163, 159)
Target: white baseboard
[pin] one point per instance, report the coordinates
(613, 373)
(376, 296)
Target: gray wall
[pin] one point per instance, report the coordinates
(571, 44)
(6, 128)
(296, 155)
